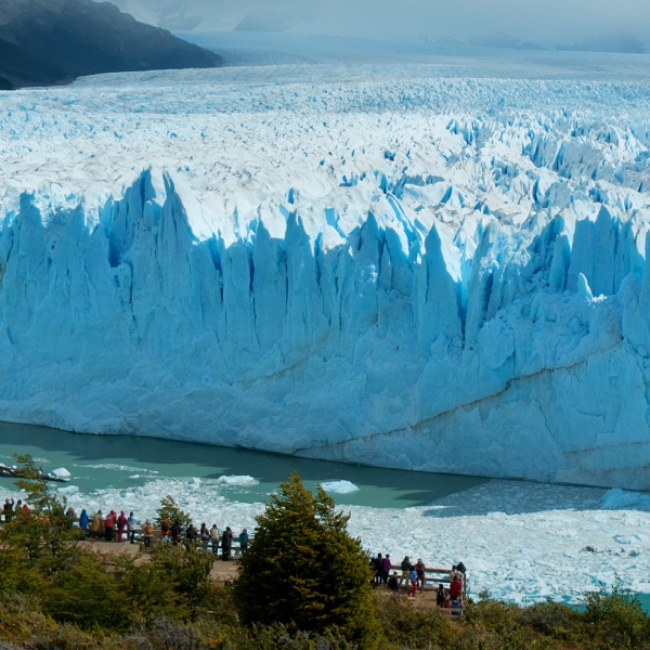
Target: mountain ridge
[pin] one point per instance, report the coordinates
(54, 42)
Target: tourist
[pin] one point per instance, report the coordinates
(413, 577)
(243, 540)
(18, 510)
(132, 527)
(393, 582)
(25, 510)
(83, 523)
(176, 532)
(109, 523)
(205, 536)
(387, 566)
(406, 570)
(446, 607)
(147, 533)
(440, 595)
(420, 569)
(379, 568)
(8, 510)
(461, 567)
(455, 588)
(226, 544)
(190, 536)
(71, 515)
(214, 537)
(96, 524)
(164, 529)
(122, 522)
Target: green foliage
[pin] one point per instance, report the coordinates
(406, 626)
(551, 619)
(45, 541)
(303, 569)
(619, 614)
(140, 624)
(88, 595)
(187, 573)
(170, 511)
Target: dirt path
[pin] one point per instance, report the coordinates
(221, 571)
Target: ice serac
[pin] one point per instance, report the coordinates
(464, 295)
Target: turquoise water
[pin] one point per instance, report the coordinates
(98, 462)
(644, 599)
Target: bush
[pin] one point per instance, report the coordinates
(619, 616)
(406, 626)
(304, 570)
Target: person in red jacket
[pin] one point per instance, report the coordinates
(121, 525)
(455, 588)
(109, 522)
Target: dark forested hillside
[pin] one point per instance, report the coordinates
(52, 41)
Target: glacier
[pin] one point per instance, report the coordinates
(401, 266)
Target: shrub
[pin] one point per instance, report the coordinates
(304, 570)
(618, 615)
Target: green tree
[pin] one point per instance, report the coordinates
(170, 511)
(304, 570)
(187, 572)
(46, 537)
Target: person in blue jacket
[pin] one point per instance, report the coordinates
(243, 540)
(83, 522)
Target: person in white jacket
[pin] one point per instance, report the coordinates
(132, 526)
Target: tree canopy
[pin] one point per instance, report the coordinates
(304, 570)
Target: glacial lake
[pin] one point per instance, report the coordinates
(122, 462)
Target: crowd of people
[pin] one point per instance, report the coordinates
(11, 509)
(120, 528)
(414, 576)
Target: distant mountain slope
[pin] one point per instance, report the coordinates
(51, 41)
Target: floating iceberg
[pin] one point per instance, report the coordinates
(399, 271)
(339, 487)
(237, 480)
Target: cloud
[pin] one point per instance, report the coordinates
(547, 22)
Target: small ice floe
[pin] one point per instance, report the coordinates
(617, 499)
(61, 473)
(339, 487)
(239, 481)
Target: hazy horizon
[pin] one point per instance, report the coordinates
(592, 24)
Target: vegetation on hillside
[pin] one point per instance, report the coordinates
(57, 593)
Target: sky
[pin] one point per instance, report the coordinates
(602, 23)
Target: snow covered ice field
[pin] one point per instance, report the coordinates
(437, 265)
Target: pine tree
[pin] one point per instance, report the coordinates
(170, 511)
(303, 569)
